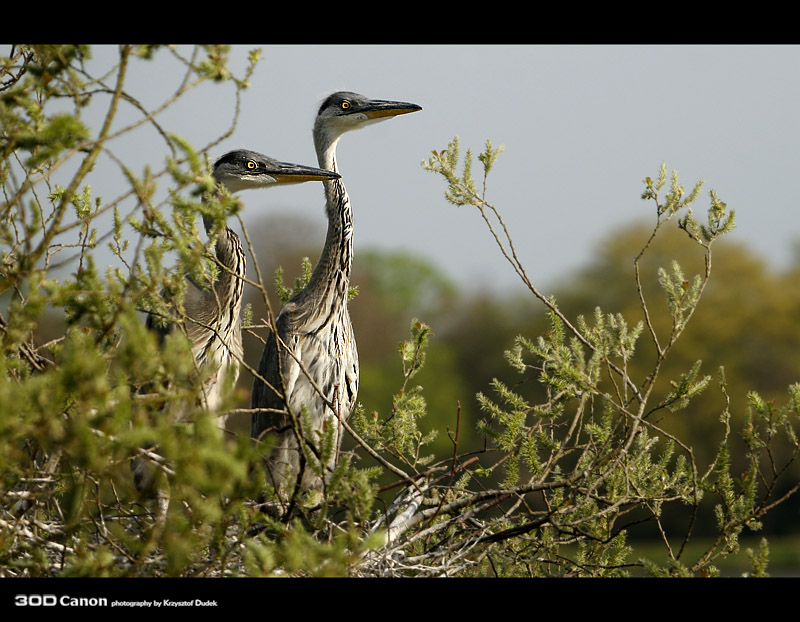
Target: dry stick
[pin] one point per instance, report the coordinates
(403, 521)
(27, 351)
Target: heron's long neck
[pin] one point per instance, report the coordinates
(229, 286)
(330, 280)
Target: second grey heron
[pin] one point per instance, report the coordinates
(310, 368)
(213, 313)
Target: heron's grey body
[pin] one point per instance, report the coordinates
(213, 313)
(213, 321)
(311, 366)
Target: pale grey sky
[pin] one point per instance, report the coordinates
(581, 127)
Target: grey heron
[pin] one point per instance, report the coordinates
(213, 313)
(310, 368)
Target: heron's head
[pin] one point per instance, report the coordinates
(242, 169)
(344, 111)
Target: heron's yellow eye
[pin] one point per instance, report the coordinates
(251, 165)
(345, 105)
